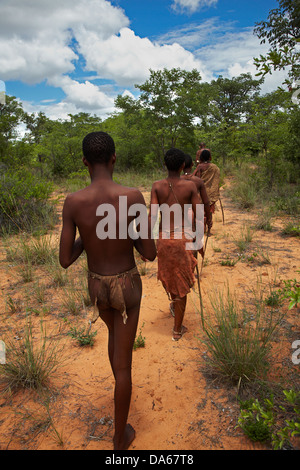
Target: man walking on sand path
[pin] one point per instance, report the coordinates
(202, 147)
(176, 262)
(114, 282)
(187, 174)
(210, 174)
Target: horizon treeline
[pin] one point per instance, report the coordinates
(174, 109)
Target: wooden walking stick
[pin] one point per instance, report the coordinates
(198, 279)
(200, 295)
(207, 235)
(222, 210)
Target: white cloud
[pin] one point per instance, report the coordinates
(271, 82)
(192, 5)
(84, 94)
(223, 50)
(233, 54)
(127, 58)
(80, 97)
(45, 41)
(34, 17)
(33, 61)
(36, 35)
(42, 41)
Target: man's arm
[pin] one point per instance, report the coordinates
(145, 246)
(206, 203)
(153, 211)
(69, 249)
(197, 171)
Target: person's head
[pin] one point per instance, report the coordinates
(188, 162)
(98, 148)
(205, 156)
(174, 159)
(202, 145)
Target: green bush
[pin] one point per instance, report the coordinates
(269, 421)
(24, 202)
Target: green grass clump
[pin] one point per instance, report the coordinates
(83, 336)
(30, 361)
(292, 229)
(238, 348)
(140, 340)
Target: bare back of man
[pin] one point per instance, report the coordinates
(110, 255)
(175, 191)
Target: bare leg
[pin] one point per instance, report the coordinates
(120, 346)
(179, 310)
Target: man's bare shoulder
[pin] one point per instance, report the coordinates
(134, 195)
(77, 196)
(198, 181)
(159, 182)
(159, 185)
(187, 183)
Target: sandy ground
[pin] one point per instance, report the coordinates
(175, 404)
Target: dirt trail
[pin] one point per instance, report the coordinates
(174, 405)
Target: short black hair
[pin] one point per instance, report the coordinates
(188, 161)
(174, 159)
(98, 147)
(205, 155)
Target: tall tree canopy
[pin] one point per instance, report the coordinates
(282, 31)
(169, 103)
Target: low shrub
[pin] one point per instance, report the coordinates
(238, 341)
(24, 202)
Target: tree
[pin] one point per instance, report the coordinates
(167, 106)
(231, 98)
(11, 113)
(282, 31)
(38, 125)
(267, 131)
(132, 138)
(229, 107)
(59, 143)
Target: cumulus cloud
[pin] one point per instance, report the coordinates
(83, 95)
(55, 34)
(50, 41)
(80, 97)
(33, 61)
(126, 58)
(45, 41)
(37, 36)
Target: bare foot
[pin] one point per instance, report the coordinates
(129, 436)
(178, 334)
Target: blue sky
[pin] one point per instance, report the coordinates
(70, 56)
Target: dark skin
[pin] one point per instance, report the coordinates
(202, 191)
(202, 166)
(186, 193)
(109, 257)
(198, 154)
